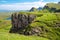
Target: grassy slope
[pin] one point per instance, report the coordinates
(5, 26)
(5, 35)
(53, 5)
(47, 20)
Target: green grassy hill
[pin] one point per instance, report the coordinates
(47, 20)
(5, 26)
(54, 7)
(49, 24)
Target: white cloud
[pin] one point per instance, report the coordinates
(22, 6)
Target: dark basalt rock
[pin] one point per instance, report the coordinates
(20, 22)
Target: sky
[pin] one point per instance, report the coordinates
(23, 4)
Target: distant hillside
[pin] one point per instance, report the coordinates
(53, 7)
(35, 9)
(40, 8)
(59, 2)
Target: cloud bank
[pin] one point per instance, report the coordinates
(22, 6)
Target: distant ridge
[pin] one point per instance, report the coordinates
(12, 10)
(58, 2)
(40, 8)
(35, 9)
(7, 10)
(52, 7)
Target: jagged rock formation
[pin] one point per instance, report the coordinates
(20, 24)
(44, 25)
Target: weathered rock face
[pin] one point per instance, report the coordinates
(20, 22)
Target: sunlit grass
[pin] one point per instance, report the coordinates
(46, 20)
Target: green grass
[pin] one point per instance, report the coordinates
(5, 26)
(8, 36)
(5, 35)
(45, 20)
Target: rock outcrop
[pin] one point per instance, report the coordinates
(20, 22)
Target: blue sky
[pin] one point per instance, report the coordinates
(23, 4)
